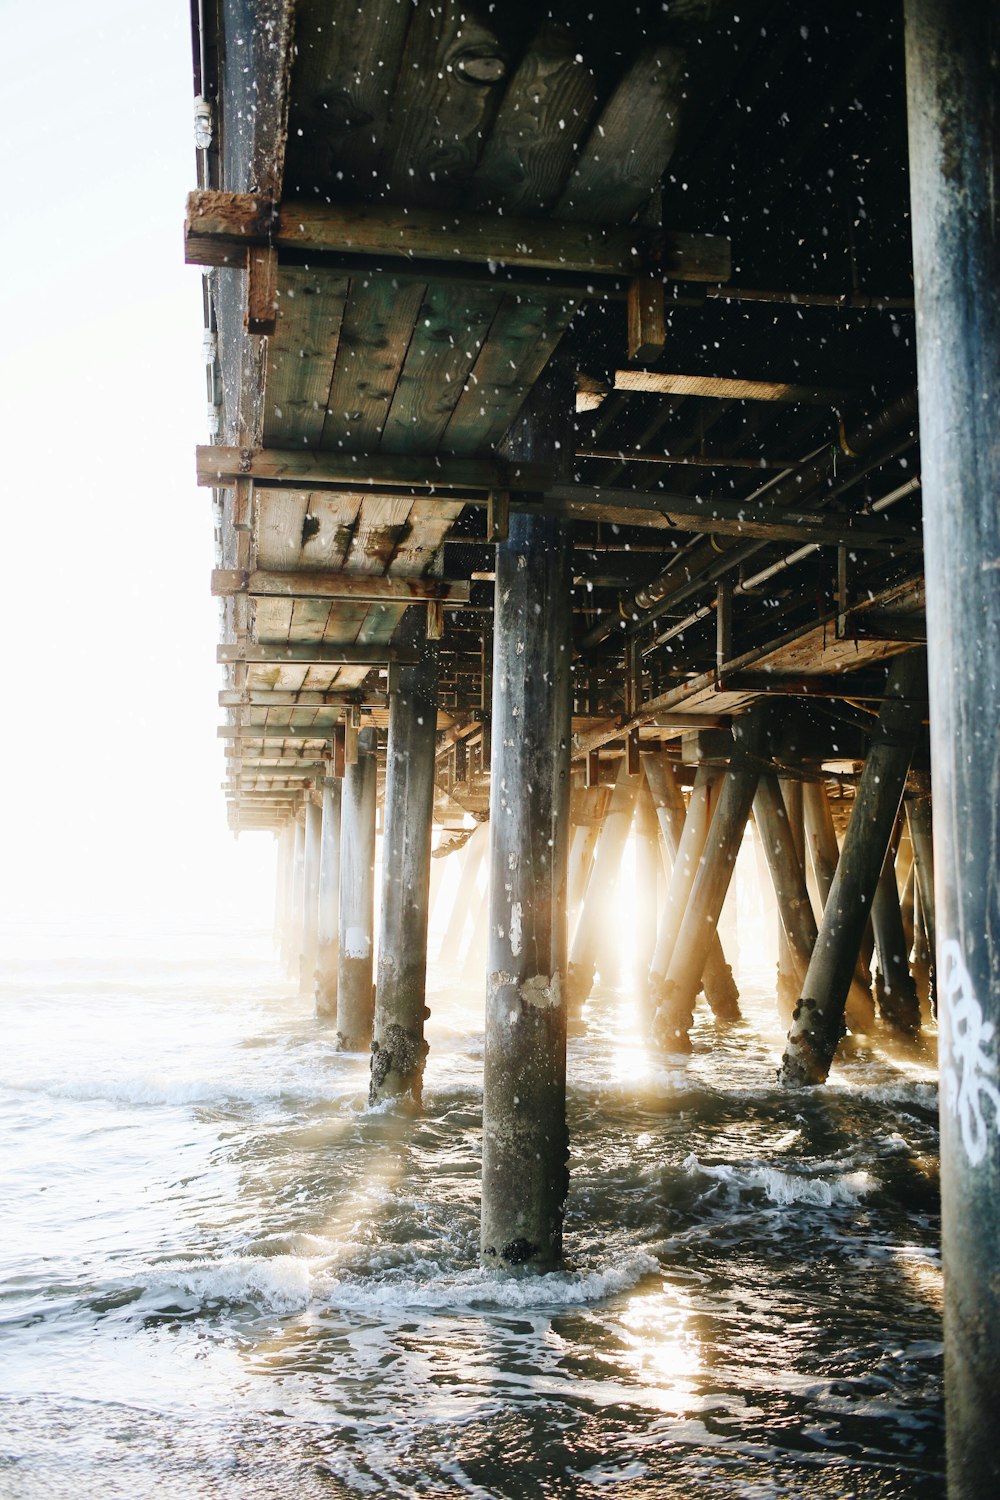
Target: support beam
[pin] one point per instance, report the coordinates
(535, 490)
(328, 944)
(307, 698)
(953, 88)
(525, 1138)
(260, 583)
(708, 892)
(398, 1048)
(818, 1021)
(726, 389)
(219, 228)
(323, 654)
(310, 898)
(355, 1000)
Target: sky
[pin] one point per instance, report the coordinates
(110, 768)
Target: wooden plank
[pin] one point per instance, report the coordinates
(281, 520)
(272, 619)
(271, 468)
(378, 324)
(310, 619)
(533, 144)
(327, 535)
(721, 389)
(261, 583)
(380, 521)
(324, 654)
(524, 332)
(219, 227)
(347, 60)
(631, 144)
(301, 355)
(448, 92)
(428, 523)
(450, 331)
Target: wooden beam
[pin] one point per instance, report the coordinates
(306, 699)
(647, 323)
(707, 514)
(827, 685)
(314, 471)
(724, 389)
(306, 469)
(275, 731)
(219, 228)
(322, 654)
(262, 583)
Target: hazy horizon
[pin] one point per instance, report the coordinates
(109, 754)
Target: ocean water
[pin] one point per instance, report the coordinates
(223, 1276)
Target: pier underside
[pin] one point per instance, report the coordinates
(567, 472)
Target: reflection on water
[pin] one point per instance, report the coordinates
(223, 1276)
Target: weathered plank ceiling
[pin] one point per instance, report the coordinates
(786, 391)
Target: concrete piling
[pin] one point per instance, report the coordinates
(952, 71)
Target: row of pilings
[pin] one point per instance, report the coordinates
(877, 893)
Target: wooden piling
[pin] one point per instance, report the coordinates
(824, 853)
(790, 969)
(399, 1048)
(895, 990)
(294, 945)
(953, 86)
(591, 924)
(797, 924)
(647, 874)
(310, 898)
(721, 992)
(525, 1138)
(919, 826)
(355, 999)
(689, 848)
(328, 945)
(675, 1013)
(286, 864)
(818, 1020)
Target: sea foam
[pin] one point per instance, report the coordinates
(786, 1188)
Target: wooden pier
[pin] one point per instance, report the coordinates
(567, 471)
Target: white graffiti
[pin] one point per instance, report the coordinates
(969, 1065)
